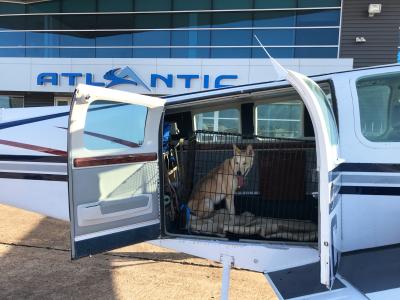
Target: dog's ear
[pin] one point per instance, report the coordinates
(236, 150)
(249, 150)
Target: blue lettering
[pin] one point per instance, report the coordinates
(89, 80)
(167, 80)
(47, 77)
(71, 77)
(218, 80)
(187, 78)
(206, 81)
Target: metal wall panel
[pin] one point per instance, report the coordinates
(380, 31)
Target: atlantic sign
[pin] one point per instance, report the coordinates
(127, 75)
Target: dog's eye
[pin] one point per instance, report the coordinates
(244, 164)
(237, 163)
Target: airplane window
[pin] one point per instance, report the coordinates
(280, 119)
(379, 107)
(111, 125)
(227, 120)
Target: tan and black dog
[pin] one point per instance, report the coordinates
(221, 183)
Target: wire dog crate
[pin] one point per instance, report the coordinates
(230, 185)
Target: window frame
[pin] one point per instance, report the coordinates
(270, 101)
(356, 108)
(125, 147)
(17, 96)
(216, 108)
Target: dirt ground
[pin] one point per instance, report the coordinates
(35, 263)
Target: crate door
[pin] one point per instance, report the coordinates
(327, 140)
(113, 149)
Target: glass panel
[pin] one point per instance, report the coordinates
(328, 36)
(232, 4)
(275, 19)
(42, 22)
(230, 52)
(319, 3)
(190, 38)
(116, 6)
(117, 21)
(231, 19)
(112, 40)
(275, 52)
(12, 38)
(53, 6)
(78, 6)
(192, 5)
(12, 23)
(78, 22)
(227, 120)
(277, 37)
(153, 5)
(191, 20)
(379, 107)
(275, 4)
(315, 52)
(127, 130)
(280, 119)
(7, 101)
(10, 52)
(42, 39)
(318, 18)
(77, 52)
(9, 8)
(152, 38)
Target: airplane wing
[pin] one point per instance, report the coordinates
(33, 160)
(364, 274)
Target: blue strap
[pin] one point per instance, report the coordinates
(187, 215)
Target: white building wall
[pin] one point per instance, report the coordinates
(20, 74)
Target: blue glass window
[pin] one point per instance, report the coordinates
(13, 52)
(44, 7)
(190, 38)
(114, 39)
(12, 23)
(117, 6)
(10, 8)
(318, 18)
(42, 39)
(326, 36)
(12, 38)
(232, 4)
(240, 37)
(275, 19)
(275, 37)
(319, 3)
(78, 6)
(275, 4)
(152, 38)
(152, 5)
(275, 52)
(316, 52)
(192, 5)
(78, 41)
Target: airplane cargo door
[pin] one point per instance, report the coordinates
(327, 139)
(113, 150)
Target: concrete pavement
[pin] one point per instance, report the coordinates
(35, 263)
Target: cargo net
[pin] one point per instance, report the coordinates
(229, 185)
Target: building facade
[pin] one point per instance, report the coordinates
(172, 46)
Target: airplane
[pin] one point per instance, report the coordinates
(317, 215)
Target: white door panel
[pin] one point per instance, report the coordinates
(113, 149)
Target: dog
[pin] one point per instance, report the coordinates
(221, 183)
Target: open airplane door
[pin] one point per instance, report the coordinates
(327, 138)
(113, 150)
